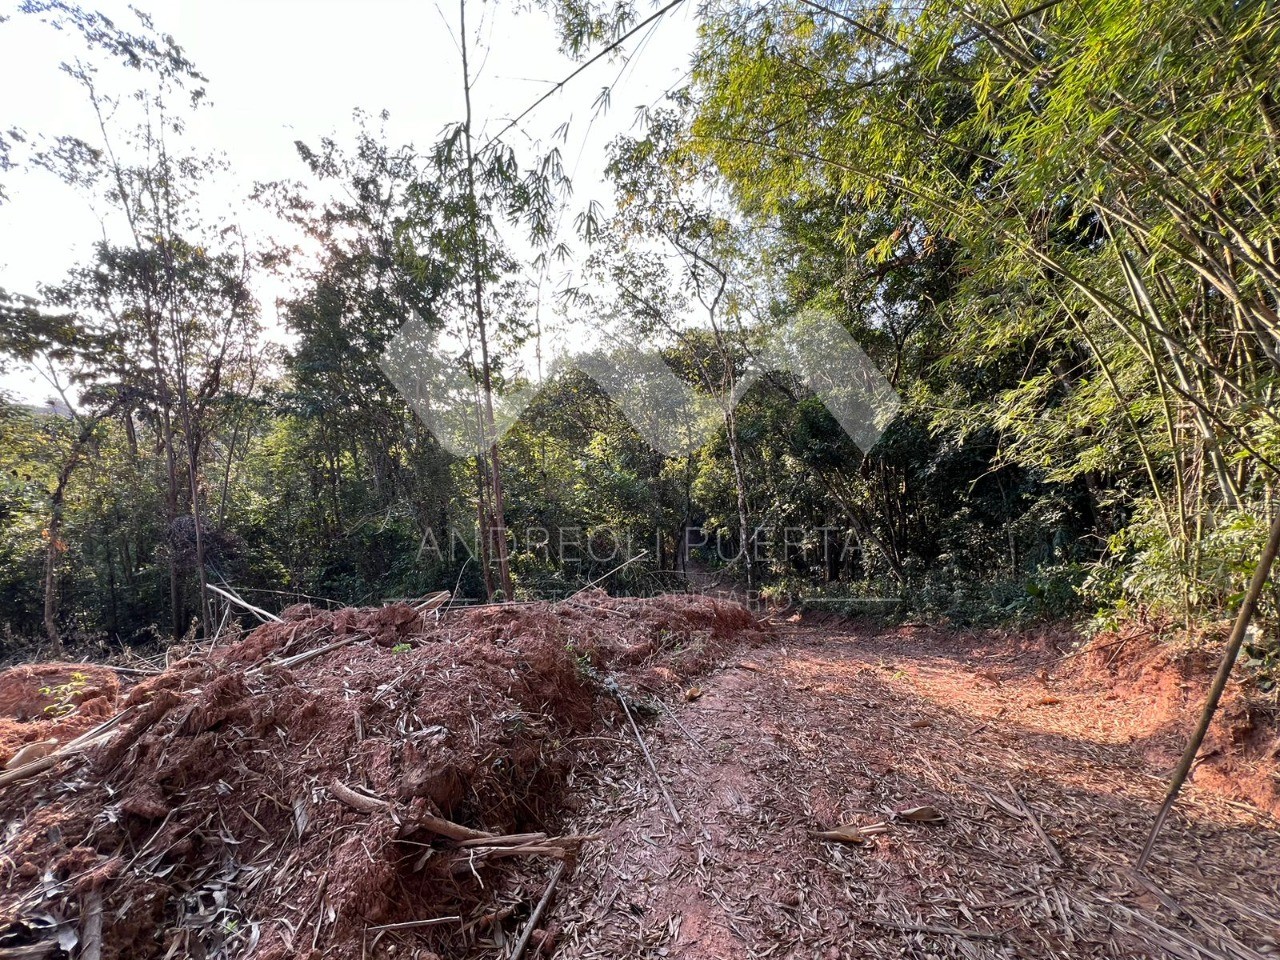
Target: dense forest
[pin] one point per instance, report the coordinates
(1053, 228)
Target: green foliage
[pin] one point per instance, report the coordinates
(65, 695)
(1036, 198)
(1052, 227)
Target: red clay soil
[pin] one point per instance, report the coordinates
(52, 701)
(212, 823)
(1007, 787)
(1045, 783)
(1154, 680)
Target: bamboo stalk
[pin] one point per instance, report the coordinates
(671, 804)
(1260, 575)
(256, 611)
(534, 917)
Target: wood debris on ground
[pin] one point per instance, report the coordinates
(495, 783)
(345, 783)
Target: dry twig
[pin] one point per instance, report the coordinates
(228, 594)
(78, 745)
(1032, 819)
(518, 951)
(671, 804)
(91, 945)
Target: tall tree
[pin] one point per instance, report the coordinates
(164, 308)
(486, 194)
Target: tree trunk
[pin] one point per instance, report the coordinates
(482, 529)
(495, 479)
(171, 494)
(56, 501)
(51, 565)
(206, 619)
(740, 485)
(864, 532)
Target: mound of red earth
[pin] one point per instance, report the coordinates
(332, 784)
(52, 702)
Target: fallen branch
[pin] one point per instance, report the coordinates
(683, 729)
(133, 671)
(1234, 643)
(31, 753)
(564, 849)
(509, 840)
(432, 602)
(306, 655)
(408, 924)
(852, 833)
(258, 612)
(671, 804)
(357, 801)
(447, 828)
(549, 849)
(639, 556)
(91, 945)
(518, 951)
(71, 748)
(427, 821)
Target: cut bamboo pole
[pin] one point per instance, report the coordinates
(239, 602)
(1234, 643)
(671, 804)
(518, 951)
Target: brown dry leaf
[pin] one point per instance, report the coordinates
(750, 665)
(925, 814)
(693, 693)
(848, 833)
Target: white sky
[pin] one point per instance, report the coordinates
(284, 70)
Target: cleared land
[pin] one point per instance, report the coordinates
(405, 782)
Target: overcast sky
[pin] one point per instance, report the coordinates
(284, 70)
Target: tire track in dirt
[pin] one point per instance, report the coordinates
(827, 727)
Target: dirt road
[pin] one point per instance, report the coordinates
(1045, 790)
